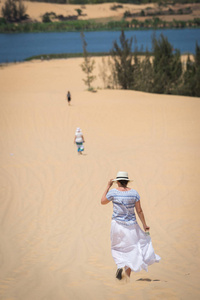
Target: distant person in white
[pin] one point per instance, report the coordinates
(131, 247)
(79, 140)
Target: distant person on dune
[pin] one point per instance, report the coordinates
(131, 246)
(68, 97)
(79, 140)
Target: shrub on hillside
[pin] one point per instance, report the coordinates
(14, 11)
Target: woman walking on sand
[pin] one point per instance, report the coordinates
(131, 247)
(68, 97)
(79, 140)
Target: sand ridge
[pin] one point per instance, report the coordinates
(54, 232)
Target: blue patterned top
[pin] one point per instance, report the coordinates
(123, 205)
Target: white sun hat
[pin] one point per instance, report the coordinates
(121, 175)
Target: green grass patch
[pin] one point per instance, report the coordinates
(92, 25)
(74, 55)
(64, 55)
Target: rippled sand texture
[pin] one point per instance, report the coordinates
(54, 233)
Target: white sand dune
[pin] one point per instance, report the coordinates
(54, 233)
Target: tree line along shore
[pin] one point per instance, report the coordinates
(91, 25)
(162, 71)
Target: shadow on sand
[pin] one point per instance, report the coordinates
(147, 279)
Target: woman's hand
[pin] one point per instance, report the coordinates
(146, 228)
(104, 200)
(110, 183)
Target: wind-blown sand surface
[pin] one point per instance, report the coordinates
(54, 233)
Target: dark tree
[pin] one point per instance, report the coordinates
(88, 64)
(14, 10)
(144, 76)
(167, 66)
(191, 77)
(122, 57)
(197, 71)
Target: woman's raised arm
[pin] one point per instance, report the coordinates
(104, 200)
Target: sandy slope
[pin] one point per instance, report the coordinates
(54, 232)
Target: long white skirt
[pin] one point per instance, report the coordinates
(131, 247)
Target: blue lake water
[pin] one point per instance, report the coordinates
(19, 46)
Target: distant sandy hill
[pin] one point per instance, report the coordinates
(103, 11)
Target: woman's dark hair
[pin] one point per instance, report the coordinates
(123, 182)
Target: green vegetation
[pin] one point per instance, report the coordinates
(72, 55)
(88, 64)
(14, 17)
(65, 55)
(160, 2)
(152, 12)
(122, 57)
(159, 72)
(167, 67)
(47, 17)
(91, 25)
(79, 11)
(16, 20)
(164, 75)
(191, 78)
(50, 26)
(14, 11)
